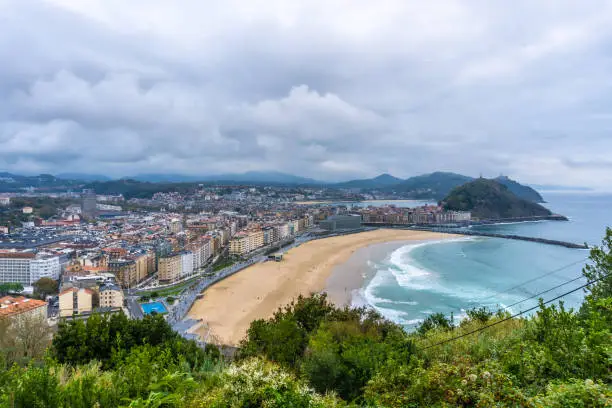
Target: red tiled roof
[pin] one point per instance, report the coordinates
(11, 306)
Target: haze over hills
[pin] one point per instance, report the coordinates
(83, 177)
(384, 180)
(489, 199)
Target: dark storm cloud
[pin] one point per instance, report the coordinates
(326, 89)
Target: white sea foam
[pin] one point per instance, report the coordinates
(400, 269)
(409, 275)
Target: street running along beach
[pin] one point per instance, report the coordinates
(228, 307)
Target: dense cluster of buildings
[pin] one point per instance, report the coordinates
(428, 214)
(258, 235)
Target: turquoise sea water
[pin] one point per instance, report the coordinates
(415, 280)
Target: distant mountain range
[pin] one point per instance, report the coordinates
(435, 185)
(83, 177)
(14, 182)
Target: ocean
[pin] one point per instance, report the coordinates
(406, 283)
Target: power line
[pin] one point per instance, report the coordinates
(527, 282)
(546, 291)
(513, 316)
(536, 278)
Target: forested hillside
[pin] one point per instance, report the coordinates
(488, 199)
(311, 354)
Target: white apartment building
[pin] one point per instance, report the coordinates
(186, 263)
(27, 268)
(198, 260)
(15, 269)
(282, 231)
(45, 267)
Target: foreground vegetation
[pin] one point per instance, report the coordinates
(311, 354)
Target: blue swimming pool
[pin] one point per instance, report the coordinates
(157, 307)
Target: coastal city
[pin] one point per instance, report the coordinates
(305, 204)
(143, 256)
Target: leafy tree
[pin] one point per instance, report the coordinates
(481, 314)
(45, 287)
(292, 323)
(23, 338)
(342, 356)
(10, 287)
(435, 321)
(600, 270)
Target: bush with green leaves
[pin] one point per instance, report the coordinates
(257, 383)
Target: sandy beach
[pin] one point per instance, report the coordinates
(228, 308)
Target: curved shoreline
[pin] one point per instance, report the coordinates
(228, 307)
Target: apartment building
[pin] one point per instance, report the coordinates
(111, 296)
(175, 226)
(75, 301)
(145, 265)
(282, 231)
(239, 244)
(186, 263)
(45, 267)
(170, 268)
(124, 271)
(246, 241)
(26, 267)
(15, 267)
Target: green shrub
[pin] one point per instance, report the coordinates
(575, 393)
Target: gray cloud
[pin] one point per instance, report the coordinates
(326, 89)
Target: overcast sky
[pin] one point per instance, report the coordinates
(329, 89)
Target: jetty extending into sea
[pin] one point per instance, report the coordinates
(461, 229)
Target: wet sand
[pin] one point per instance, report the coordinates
(229, 307)
(349, 277)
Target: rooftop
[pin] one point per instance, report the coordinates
(11, 306)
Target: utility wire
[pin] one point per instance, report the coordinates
(527, 282)
(546, 291)
(513, 316)
(536, 278)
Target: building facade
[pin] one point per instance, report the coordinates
(15, 267)
(88, 203)
(170, 268)
(75, 301)
(45, 267)
(186, 263)
(111, 296)
(124, 271)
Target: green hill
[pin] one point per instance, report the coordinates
(488, 199)
(434, 185)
